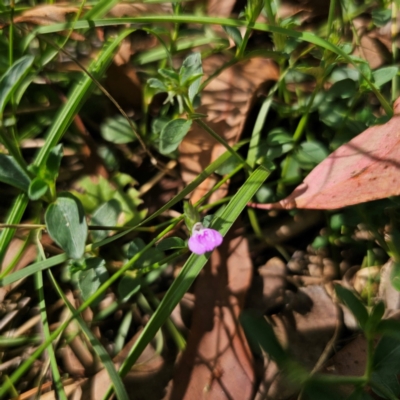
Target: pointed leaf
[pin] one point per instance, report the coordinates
(354, 304)
(12, 78)
(12, 174)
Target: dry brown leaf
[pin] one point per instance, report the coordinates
(217, 363)
(49, 14)
(226, 101)
(374, 47)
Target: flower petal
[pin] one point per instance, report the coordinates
(204, 240)
(196, 246)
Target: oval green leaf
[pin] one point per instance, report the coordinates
(92, 277)
(172, 134)
(37, 189)
(66, 224)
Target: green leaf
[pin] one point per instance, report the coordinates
(342, 89)
(91, 278)
(191, 67)
(386, 366)
(12, 174)
(375, 317)
(191, 215)
(278, 137)
(389, 327)
(353, 303)
(169, 74)
(66, 224)
(235, 34)
(127, 287)
(260, 333)
(311, 153)
(157, 84)
(381, 17)
(12, 78)
(53, 162)
(228, 166)
(172, 134)
(117, 130)
(106, 215)
(37, 189)
(395, 276)
(171, 243)
(384, 75)
(149, 257)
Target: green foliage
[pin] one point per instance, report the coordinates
(117, 130)
(11, 173)
(354, 303)
(172, 134)
(171, 243)
(105, 215)
(91, 275)
(12, 78)
(66, 224)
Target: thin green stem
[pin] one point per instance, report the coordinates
(331, 16)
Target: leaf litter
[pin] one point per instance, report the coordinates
(218, 361)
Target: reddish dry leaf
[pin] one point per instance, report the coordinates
(365, 169)
(217, 363)
(226, 101)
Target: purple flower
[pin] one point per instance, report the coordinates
(204, 239)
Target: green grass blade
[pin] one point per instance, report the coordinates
(100, 8)
(119, 387)
(256, 135)
(193, 266)
(14, 217)
(32, 269)
(46, 331)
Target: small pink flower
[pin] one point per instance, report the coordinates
(204, 239)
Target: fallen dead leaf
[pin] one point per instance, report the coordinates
(365, 169)
(49, 14)
(217, 363)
